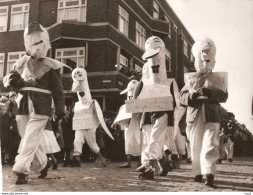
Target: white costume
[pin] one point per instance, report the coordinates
(37, 78)
(202, 94)
(87, 117)
(153, 99)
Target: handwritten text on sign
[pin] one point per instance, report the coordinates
(149, 104)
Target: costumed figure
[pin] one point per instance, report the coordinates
(153, 99)
(87, 117)
(37, 80)
(132, 133)
(202, 93)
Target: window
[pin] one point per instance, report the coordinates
(185, 48)
(12, 58)
(1, 65)
(3, 18)
(73, 57)
(168, 61)
(19, 16)
(168, 20)
(155, 9)
(123, 21)
(137, 68)
(74, 10)
(140, 35)
(123, 61)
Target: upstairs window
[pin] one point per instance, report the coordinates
(19, 16)
(73, 57)
(123, 21)
(74, 10)
(140, 35)
(168, 61)
(1, 65)
(185, 48)
(155, 9)
(137, 68)
(170, 26)
(3, 18)
(12, 58)
(123, 61)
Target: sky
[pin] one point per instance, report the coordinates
(229, 23)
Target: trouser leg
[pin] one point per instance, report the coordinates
(78, 142)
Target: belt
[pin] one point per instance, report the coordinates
(35, 89)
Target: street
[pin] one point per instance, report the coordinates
(235, 176)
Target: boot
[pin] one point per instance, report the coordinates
(209, 180)
(164, 171)
(101, 161)
(147, 174)
(22, 179)
(43, 173)
(198, 178)
(175, 161)
(219, 161)
(75, 162)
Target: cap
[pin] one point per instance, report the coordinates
(130, 86)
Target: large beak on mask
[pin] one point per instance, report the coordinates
(149, 53)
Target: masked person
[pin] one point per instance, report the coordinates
(202, 94)
(37, 80)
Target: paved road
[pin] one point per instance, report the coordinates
(235, 176)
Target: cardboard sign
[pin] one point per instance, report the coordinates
(84, 119)
(153, 104)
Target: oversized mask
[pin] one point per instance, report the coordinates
(80, 84)
(36, 40)
(130, 89)
(154, 48)
(204, 52)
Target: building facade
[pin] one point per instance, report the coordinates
(106, 37)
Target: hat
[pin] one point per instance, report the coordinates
(130, 86)
(34, 27)
(12, 93)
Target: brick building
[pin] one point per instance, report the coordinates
(104, 36)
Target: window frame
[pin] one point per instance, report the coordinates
(2, 62)
(141, 39)
(170, 25)
(185, 47)
(19, 53)
(64, 8)
(123, 59)
(125, 20)
(24, 17)
(168, 56)
(7, 16)
(156, 10)
(78, 55)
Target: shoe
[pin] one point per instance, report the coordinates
(101, 161)
(230, 160)
(209, 180)
(22, 179)
(55, 164)
(175, 161)
(43, 173)
(163, 165)
(127, 165)
(188, 160)
(198, 178)
(219, 161)
(140, 169)
(75, 162)
(147, 175)
(66, 163)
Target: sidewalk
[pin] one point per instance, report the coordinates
(235, 176)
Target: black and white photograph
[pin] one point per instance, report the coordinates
(101, 96)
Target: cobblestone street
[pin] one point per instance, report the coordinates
(235, 176)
